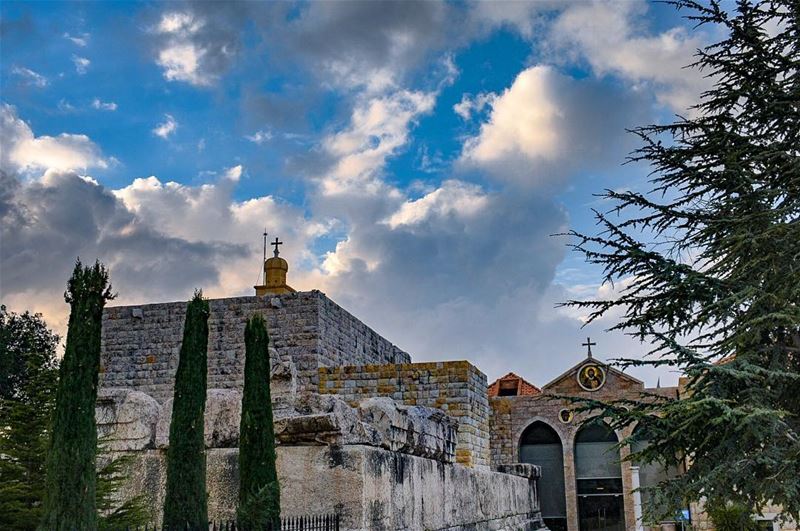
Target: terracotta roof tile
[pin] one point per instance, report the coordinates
(523, 387)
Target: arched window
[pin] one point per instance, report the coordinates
(598, 476)
(541, 445)
(650, 474)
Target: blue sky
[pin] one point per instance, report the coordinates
(416, 158)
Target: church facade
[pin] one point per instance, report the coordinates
(589, 487)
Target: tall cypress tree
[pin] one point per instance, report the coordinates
(185, 502)
(259, 491)
(71, 475)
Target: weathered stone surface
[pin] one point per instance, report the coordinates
(283, 385)
(327, 419)
(525, 470)
(140, 344)
(222, 418)
(457, 387)
(126, 419)
(415, 430)
(372, 488)
(316, 419)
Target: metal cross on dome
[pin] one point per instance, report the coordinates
(276, 243)
(588, 346)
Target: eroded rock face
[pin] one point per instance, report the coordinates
(222, 417)
(126, 419)
(324, 419)
(415, 430)
(327, 419)
(283, 385)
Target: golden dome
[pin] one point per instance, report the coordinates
(276, 262)
(275, 270)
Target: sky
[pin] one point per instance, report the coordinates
(419, 160)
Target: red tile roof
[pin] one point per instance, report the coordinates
(523, 387)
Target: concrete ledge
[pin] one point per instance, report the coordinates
(371, 487)
(525, 470)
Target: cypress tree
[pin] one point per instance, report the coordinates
(71, 475)
(185, 500)
(259, 490)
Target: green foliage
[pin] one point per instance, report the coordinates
(25, 433)
(185, 500)
(731, 517)
(259, 507)
(28, 350)
(112, 515)
(71, 476)
(259, 490)
(27, 347)
(707, 264)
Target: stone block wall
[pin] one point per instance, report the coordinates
(457, 387)
(140, 344)
(371, 488)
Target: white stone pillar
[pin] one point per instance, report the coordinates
(637, 498)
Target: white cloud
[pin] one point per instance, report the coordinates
(260, 137)
(208, 213)
(527, 119)
(22, 151)
(81, 39)
(167, 128)
(473, 104)
(98, 104)
(453, 198)
(81, 64)
(179, 23)
(547, 125)
(181, 63)
(32, 78)
(65, 106)
(608, 36)
(181, 57)
(379, 126)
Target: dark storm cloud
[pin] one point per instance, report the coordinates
(46, 224)
(371, 35)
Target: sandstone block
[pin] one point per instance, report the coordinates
(222, 417)
(415, 430)
(126, 419)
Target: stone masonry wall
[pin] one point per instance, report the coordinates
(457, 387)
(140, 344)
(371, 488)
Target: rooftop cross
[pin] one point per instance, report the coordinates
(588, 346)
(276, 243)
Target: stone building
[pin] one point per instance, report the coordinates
(365, 432)
(588, 488)
(587, 485)
(362, 431)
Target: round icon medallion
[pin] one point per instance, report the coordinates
(591, 377)
(565, 416)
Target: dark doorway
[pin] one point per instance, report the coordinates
(599, 479)
(541, 445)
(601, 513)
